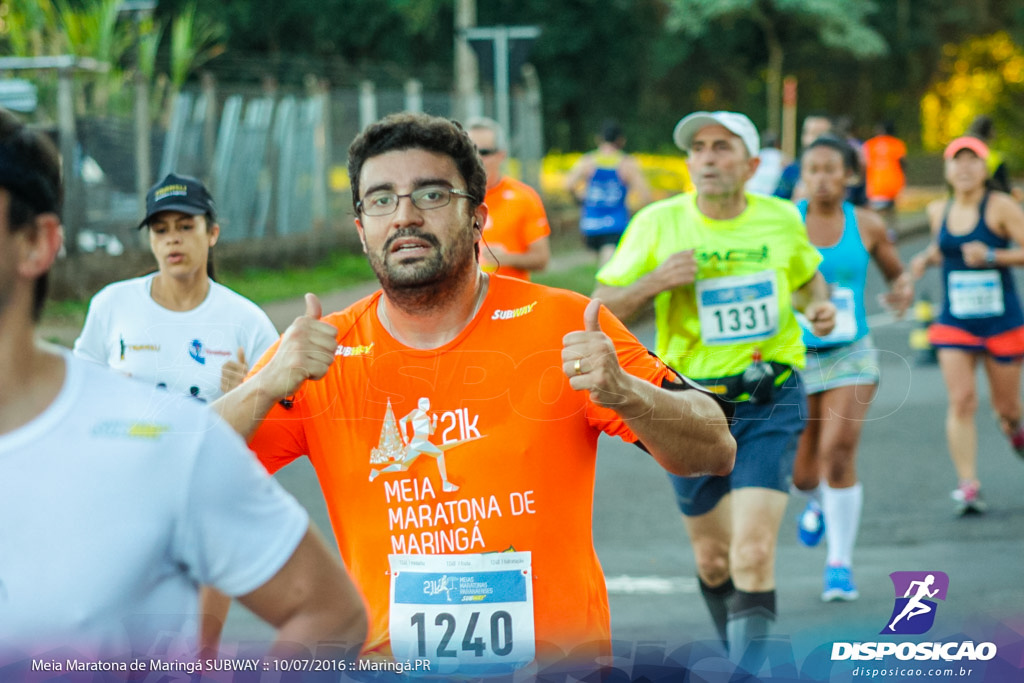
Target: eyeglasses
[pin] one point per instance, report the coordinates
(384, 203)
(487, 151)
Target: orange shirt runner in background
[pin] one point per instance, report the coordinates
(480, 449)
(884, 174)
(515, 219)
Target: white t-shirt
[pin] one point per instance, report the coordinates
(182, 350)
(766, 177)
(117, 502)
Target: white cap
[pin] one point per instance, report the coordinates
(732, 121)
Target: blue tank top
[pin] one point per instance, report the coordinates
(604, 205)
(845, 268)
(982, 301)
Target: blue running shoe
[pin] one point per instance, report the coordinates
(839, 585)
(810, 525)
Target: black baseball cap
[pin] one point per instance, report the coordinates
(178, 193)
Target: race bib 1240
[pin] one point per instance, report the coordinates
(468, 614)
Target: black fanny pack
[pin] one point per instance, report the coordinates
(756, 384)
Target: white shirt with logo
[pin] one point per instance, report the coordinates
(119, 501)
(181, 350)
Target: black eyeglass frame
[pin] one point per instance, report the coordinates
(449, 192)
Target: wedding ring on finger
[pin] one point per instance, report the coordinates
(576, 369)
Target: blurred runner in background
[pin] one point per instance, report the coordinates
(607, 176)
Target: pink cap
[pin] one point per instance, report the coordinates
(966, 142)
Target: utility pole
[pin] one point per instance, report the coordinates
(501, 38)
(140, 10)
(467, 96)
(789, 98)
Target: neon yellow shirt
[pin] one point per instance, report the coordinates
(748, 267)
(994, 159)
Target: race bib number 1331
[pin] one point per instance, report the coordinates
(739, 308)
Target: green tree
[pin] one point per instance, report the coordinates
(195, 40)
(836, 25)
(593, 59)
(31, 28)
(95, 29)
(90, 30)
(360, 35)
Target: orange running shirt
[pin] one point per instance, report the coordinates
(515, 220)
(884, 175)
(518, 443)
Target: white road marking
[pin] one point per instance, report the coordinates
(881, 319)
(650, 585)
(887, 318)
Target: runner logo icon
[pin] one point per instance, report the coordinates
(916, 592)
(913, 614)
(195, 349)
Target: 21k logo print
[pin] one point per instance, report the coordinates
(916, 593)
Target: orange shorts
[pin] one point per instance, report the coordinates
(1005, 347)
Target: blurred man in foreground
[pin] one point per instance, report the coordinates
(119, 499)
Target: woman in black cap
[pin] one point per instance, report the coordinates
(177, 327)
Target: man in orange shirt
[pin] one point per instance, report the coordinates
(516, 231)
(453, 419)
(884, 159)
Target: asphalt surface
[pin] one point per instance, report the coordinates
(908, 524)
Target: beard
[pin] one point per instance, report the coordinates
(427, 282)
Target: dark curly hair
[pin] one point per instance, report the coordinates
(418, 131)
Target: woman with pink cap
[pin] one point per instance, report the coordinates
(977, 233)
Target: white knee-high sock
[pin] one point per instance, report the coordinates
(842, 518)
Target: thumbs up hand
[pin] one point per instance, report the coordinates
(590, 362)
(592, 316)
(306, 351)
(314, 309)
(233, 372)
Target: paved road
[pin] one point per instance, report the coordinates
(908, 525)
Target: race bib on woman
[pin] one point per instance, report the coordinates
(975, 293)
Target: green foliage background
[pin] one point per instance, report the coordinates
(645, 62)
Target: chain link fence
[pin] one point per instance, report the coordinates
(274, 160)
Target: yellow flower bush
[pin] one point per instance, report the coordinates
(667, 175)
(980, 76)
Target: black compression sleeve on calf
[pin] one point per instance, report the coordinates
(716, 598)
(751, 616)
(743, 603)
